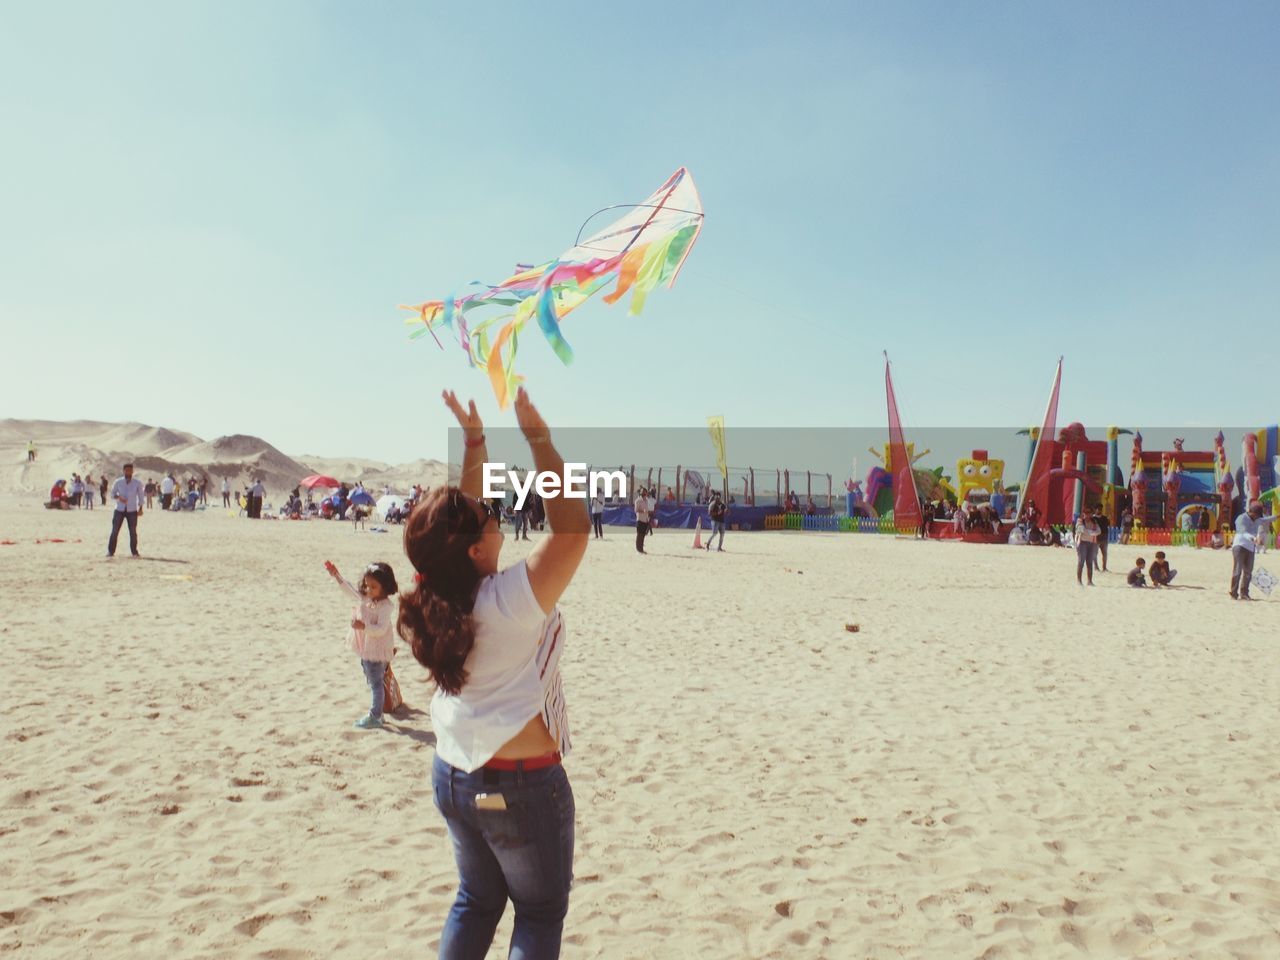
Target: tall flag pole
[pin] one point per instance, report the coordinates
(906, 499)
(1036, 486)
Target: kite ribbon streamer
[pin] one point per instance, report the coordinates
(644, 247)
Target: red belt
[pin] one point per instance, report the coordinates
(531, 763)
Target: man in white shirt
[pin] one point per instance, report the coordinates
(1251, 530)
(642, 519)
(166, 491)
(226, 492)
(127, 493)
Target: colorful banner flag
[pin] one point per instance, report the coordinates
(906, 499)
(715, 425)
(1036, 489)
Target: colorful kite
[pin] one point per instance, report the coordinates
(642, 249)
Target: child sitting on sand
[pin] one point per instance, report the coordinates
(1161, 575)
(1136, 577)
(372, 634)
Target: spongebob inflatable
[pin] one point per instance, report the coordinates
(978, 473)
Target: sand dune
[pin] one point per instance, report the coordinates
(375, 474)
(91, 447)
(999, 764)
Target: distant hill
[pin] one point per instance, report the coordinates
(91, 447)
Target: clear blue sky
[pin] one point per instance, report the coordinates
(211, 210)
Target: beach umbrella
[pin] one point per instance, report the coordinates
(319, 480)
(362, 498)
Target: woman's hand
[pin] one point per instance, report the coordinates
(531, 423)
(358, 624)
(468, 419)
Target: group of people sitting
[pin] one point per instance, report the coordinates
(965, 517)
(1160, 572)
(348, 503)
(399, 512)
(76, 494)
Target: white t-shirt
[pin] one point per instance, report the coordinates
(642, 509)
(166, 486)
(513, 675)
(597, 505)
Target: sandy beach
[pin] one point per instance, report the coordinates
(999, 764)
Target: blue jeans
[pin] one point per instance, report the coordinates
(717, 526)
(118, 518)
(1086, 558)
(523, 854)
(374, 671)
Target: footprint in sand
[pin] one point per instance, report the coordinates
(251, 926)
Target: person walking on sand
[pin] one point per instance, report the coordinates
(1104, 535)
(1086, 536)
(1251, 528)
(1126, 526)
(167, 485)
(716, 512)
(642, 519)
(492, 640)
(127, 494)
(102, 490)
(31, 451)
(597, 516)
(523, 512)
(1203, 527)
(226, 492)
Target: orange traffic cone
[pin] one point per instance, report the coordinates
(697, 536)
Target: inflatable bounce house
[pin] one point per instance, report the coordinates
(878, 487)
(1165, 485)
(979, 479)
(874, 496)
(1085, 468)
(1258, 477)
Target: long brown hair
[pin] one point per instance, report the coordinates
(435, 616)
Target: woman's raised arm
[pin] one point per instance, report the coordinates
(555, 559)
